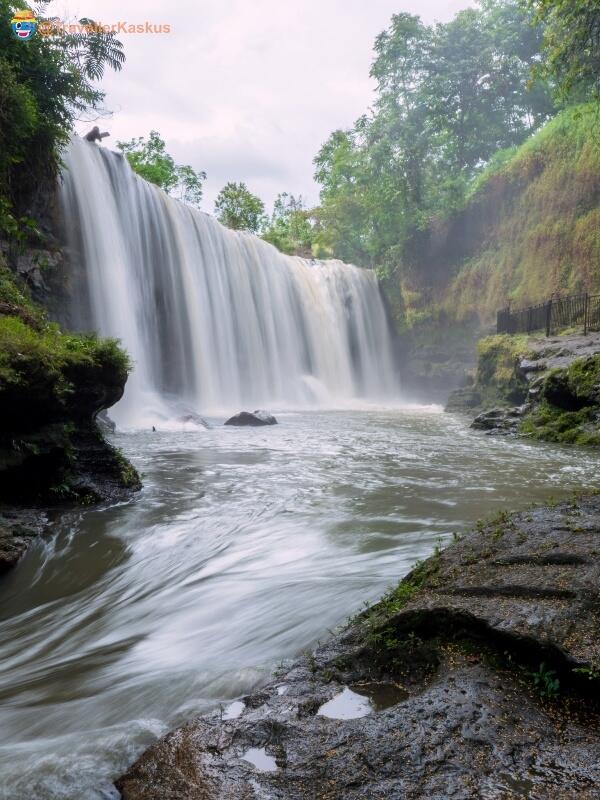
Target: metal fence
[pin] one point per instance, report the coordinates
(556, 313)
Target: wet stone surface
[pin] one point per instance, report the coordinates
(452, 707)
(18, 528)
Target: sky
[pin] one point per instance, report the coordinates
(247, 90)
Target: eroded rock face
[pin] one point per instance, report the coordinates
(500, 421)
(18, 527)
(459, 636)
(255, 419)
(554, 382)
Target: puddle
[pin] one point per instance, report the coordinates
(346, 705)
(362, 699)
(518, 787)
(282, 689)
(234, 710)
(259, 758)
(381, 695)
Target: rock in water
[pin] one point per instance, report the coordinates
(254, 419)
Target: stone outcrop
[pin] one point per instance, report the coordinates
(476, 677)
(18, 528)
(53, 386)
(255, 419)
(543, 388)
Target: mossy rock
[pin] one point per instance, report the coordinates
(569, 407)
(52, 386)
(576, 387)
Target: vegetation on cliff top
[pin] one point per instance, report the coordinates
(442, 187)
(534, 223)
(52, 384)
(50, 354)
(149, 159)
(44, 86)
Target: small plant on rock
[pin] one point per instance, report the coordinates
(545, 681)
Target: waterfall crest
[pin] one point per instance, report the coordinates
(216, 320)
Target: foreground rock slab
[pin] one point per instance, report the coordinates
(478, 676)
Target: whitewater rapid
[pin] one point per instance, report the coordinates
(215, 319)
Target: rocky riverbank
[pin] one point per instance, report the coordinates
(53, 385)
(477, 676)
(543, 388)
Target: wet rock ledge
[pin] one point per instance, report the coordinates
(477, 676)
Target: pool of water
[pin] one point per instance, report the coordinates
(244, 548)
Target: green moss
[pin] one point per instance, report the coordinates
(399, 596)
(498, 356)
(52, 384)
(46, 351)
(547, 423)
(581, 378)
(130, 477)
(498, 381)
(569, 409)
(533, 227)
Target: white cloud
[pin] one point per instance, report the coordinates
(246, 90)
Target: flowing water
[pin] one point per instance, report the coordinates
(212, 318)
(244, 547)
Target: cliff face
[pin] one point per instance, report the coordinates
(53, 384)
(530, 228)
(51, 387)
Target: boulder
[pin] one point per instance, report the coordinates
(499, 421)
(255, 419)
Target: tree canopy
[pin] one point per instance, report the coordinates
(237, 208)
(149, 158)
(571, 46)
(449, 96)
(290, 227)
(45, 84)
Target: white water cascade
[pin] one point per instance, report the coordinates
(216, 320)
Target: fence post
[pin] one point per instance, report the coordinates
(548, 317)
(586, 303)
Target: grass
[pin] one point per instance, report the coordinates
(47, 349)
(374, 618)
(533, 226)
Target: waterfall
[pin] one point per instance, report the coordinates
(215, 320)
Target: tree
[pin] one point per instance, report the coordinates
(571, 46)
(290, 228)
(150, 160)
(238, 208)
(45, 84)
(448, 97)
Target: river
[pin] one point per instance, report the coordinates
(244, 548)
